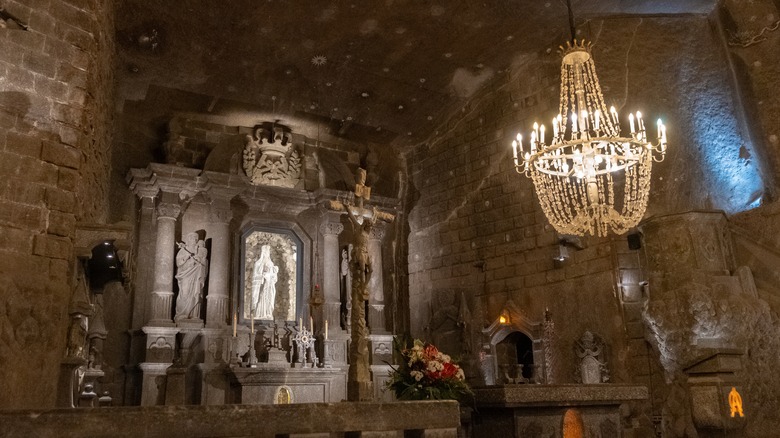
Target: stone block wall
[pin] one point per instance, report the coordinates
(55, 118)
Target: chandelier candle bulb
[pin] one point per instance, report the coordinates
(573, 123)
(541, 134)
(598, 120)
(631, 123)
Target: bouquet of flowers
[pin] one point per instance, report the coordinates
(425, 373)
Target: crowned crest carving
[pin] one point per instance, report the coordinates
(270, 158)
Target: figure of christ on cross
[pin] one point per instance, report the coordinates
(359, 383)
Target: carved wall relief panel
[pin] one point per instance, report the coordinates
(270, 158)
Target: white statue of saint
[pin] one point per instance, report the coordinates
(264, 276)
(192, 268)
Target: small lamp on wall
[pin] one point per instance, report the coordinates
(504, 318)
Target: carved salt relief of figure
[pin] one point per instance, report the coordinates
(592, 369)
(191, 273)
(264, 276)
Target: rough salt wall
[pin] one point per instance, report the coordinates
(752, 33)
(55, 112)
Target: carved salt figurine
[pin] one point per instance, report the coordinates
(592, 369)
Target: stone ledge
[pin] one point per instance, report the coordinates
(231, 420)
(558, 395)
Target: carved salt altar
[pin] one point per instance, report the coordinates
(542, 410)
(266, 248)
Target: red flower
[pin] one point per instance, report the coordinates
(431, 351)
(449, 370)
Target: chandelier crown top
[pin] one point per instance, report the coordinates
(576, 52)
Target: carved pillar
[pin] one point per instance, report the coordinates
(162, 293)
(219, 268)
(376, 301)
(331, 262)
(144, 278)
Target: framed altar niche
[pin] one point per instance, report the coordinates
(271, 275)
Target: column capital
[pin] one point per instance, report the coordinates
(168, 210)
(331, 228)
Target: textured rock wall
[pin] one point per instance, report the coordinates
(55, 114)
(752, 33)
(475, 224)
(703, 301)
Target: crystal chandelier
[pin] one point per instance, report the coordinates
(589, 179)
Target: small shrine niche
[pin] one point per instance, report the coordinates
(272, 275)
(515, 357)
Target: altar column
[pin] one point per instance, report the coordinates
(331, 262)
(162, 293)
(376, 301)
(219, 267)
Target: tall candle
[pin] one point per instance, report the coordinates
(235, 323)
(252, 324)
(326, 329)
(311, 324)
(300, 323)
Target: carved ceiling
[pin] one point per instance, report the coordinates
(384, 71)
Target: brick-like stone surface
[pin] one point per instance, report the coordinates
(61, 155)
(56, 91)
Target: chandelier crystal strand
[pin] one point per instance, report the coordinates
(575, 174)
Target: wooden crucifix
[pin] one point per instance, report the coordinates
(359, 386)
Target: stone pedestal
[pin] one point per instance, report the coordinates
(381, 349)
(335, 351)
(153, 383)
(176, 385)
(214, 384)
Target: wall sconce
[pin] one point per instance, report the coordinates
(504, 318)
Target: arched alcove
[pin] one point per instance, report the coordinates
(513, 338)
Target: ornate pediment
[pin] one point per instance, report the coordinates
(271, 158)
